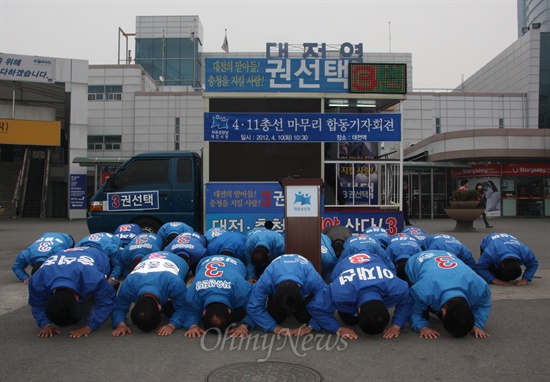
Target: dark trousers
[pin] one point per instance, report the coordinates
(302, 315)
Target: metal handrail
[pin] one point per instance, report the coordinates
(45, 184)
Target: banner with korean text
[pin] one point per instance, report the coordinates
(288, 128)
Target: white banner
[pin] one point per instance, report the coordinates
(14, 67)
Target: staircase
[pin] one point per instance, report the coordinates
(33, 193)
(8, 179)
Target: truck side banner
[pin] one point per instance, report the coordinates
(287, 127)
(244, 206)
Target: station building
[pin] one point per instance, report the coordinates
(493, 128)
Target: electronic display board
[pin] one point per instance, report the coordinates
(377, 78)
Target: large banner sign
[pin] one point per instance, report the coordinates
(14, 67)
(277, 75)
(286, 128)
(244, 206)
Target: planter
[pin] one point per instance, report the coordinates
(464, 217)
(464, 203)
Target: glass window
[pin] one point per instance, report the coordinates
(146, 171)
(184, 170)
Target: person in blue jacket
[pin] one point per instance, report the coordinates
(190, 246)
(140, 246)
(155, 285)
(168, 231)
(262, 247)
(48, 244)
(65, 281)
(229, 243)
(451, 244)
(417, 233)
(362, 243)
(218, 297)
(127, 232)
(362, 292)
(338, 234)
(379, 234)
(400, 249)
(444, 285)
(284, 289)
(213, 233)
(328, 258)
(502, 256)
(107, 243)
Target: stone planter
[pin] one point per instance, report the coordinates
(464, 217)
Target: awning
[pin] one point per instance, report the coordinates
(435, 164)
(92, 162)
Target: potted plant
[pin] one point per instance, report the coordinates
(464, 209)
(464, 199)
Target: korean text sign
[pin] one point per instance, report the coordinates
(286, 128)
(278, 75)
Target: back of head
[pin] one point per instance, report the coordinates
(216, 315)
(510, 269)
(260, 257)
(459, 319)
(464, 182)
(62, 308)
(287, 297)
(146, 314)
(373, 317)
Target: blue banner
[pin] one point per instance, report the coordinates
(278, 75)
(77, 194)
(244, 206)
(133, 201)
(286, 128)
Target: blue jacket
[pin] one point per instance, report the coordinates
(48, 244)
(328, 257)
(189, 244)
(217, 279)
(140, 246)
(273, 241)
(213, 233)
(361, 278)
(107, 243)
(402, 246)
(499, 246)
(450, 244)
(160, 273)
(437, 276)
(380, 235)
(228, 241)
(84, 271)
(173, 228)
(363, 243)
(417, 233)
(284, 268)
(127, 232)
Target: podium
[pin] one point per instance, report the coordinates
(303, 218)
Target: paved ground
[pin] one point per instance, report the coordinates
(517, 349)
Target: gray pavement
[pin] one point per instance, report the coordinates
(517, 349)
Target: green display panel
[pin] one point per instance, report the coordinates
(377, 78)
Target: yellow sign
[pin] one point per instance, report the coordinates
(23, 132)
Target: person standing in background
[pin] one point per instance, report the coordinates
(483, 204)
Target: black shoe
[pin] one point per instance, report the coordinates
(488, 226)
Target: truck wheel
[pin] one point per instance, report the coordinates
(148, 225)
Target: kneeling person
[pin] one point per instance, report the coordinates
(218, 297)
(155, 285)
